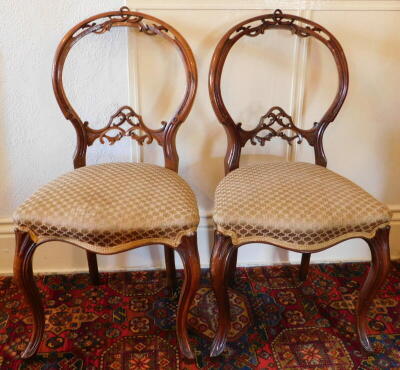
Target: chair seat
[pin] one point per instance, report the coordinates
(112, 207)
(299, 206)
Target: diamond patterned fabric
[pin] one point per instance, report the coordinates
(296, 205)
(112, 207)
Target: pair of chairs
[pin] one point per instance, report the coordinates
(111, 208)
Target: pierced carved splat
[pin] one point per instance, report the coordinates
(279, 20)
(125, 122)
(277, 123)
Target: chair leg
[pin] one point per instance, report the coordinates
(170, 267)
(191, 264)
(220, 271)
(93, 269)
(380, 265)
(232, 268)
(305, 262)
(23, 275)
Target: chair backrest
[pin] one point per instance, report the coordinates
(276, 122)
(125, 121)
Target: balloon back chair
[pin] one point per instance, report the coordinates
(111, 208)
(301, 207)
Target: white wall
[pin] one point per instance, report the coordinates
(36, 143)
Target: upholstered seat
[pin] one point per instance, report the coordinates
(297, 205)
(112, 207)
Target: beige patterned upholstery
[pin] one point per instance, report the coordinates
(299, 206)
(112, 207)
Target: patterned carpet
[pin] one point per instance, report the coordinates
(278, 322)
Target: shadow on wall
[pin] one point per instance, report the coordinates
(392, 165)
(5, 164)
(392, 185)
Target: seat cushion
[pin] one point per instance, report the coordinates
(299, 206)
(112, 207)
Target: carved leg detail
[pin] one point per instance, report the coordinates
(220, 271)
(380, 264)
(305, 262)
(93, 269)
(170, 267)
(23, 275)
(191, 265)
(232, 268)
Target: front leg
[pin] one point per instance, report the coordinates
(380, 265)
(23, 275)
(220, 272)
(191, 267)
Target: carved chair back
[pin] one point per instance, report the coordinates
(125, 116)
(276, 122)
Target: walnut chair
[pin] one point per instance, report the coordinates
(301, 207)
(153, 205)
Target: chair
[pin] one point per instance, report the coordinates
(112, 208)
(301, 207)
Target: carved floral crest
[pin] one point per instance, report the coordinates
(279, 20)
(124, 18)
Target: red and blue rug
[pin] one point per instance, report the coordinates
(128, 322)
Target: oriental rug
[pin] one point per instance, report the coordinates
(278, 322)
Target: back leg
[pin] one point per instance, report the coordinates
(170, 267)
(93, 269)
(305, 263)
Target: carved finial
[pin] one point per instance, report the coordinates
(278, 16)
(124, 9)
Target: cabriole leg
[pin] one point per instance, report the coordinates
(220, 271)
(23, 274)
(380, 264)
(191, 265)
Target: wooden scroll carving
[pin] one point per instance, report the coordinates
(275, 123)
(125, 122)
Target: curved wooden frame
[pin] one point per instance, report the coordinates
(238, 137)
(165, 136)
(224, 254)
(112, 132)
